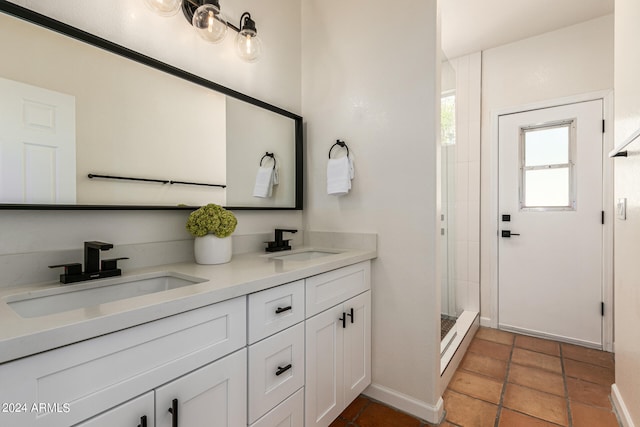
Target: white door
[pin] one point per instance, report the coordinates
(212, 396)
(551, 201)
(37, 145)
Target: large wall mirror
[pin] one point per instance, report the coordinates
(87, 124)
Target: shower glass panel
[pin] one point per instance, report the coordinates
(448, 313)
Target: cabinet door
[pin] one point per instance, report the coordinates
(212, 396)
(357, 346)
(324, 399)
(135, 413)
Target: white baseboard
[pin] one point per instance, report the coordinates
(486, 322)
(620, 407)
(408, 404)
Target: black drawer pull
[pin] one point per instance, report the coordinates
(143, 421)
(283, 309)
(283, 369)
(344, 320)
(351, 315)
(174, 413)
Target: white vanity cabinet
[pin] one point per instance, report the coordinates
(100, 374)
(295, 354)
(338, 342)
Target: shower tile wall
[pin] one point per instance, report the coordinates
(467, 181)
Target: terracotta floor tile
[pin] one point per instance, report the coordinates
(509, 418)
(484, 365)
(538, 344)
(589, 416)
(588, 355)
(537, 379)
(377, 415)
(338, 423)
(354, 409)
(536, 360)
(477, 386)
(586, 371)
(490, 349)
(537, 404)
(589, 393)
(469, 412)
(495, 335)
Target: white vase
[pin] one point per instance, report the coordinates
(210, 249)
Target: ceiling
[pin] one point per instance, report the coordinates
(474, 25)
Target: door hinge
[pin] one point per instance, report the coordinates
(603, 127)
(602, 218)
(602, 308)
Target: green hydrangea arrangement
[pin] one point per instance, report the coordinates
(212, 219)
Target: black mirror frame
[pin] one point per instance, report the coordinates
(73, 32)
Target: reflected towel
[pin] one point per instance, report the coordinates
(266, 178)
(339, 175)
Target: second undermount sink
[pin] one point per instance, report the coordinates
(88, 294)
(305, 255)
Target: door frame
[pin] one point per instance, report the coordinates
(490, 228)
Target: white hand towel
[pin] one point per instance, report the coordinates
(264, 182)
(340, 172)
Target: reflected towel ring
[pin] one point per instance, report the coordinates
(268, 154)
(341, 144)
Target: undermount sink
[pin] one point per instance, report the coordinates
(305, 255)
(87, 294)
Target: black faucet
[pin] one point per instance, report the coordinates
(279, 244)
(93, 268)
(92, 255)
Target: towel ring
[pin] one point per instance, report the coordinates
(341, 144)
(268, 154)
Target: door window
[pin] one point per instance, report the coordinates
(546, 166)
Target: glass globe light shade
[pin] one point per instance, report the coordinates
(248, 45)
(164, 7)
(209, 23)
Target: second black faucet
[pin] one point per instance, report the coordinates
(279, 244)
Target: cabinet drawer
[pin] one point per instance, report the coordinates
(276, 370)
(100, 373)
(275, 309)
(288, 413)
(328, 289)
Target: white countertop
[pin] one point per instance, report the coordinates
(246, 273)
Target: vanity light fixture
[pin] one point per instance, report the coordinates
(205, 16)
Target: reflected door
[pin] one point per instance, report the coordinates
(550, 231)
(37, 145)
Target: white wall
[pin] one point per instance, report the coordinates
(570, 61)
(364, 83)
(274, 79)
(627, 233)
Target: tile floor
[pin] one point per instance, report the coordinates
(511, 380)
